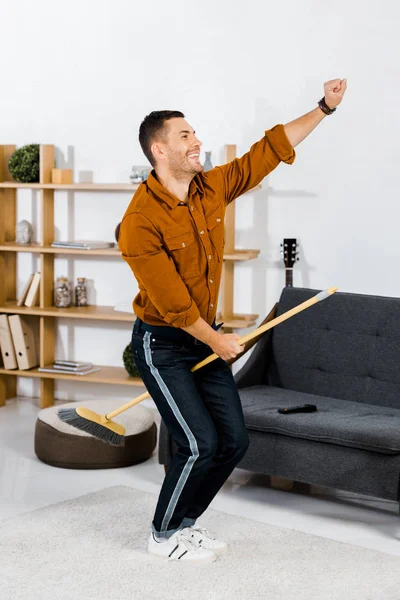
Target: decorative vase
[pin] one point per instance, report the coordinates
(23, 232)
(207, 163)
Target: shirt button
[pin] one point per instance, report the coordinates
(211, 280)
(211, 305)
(191, 208)
(218, 220)
(201, 232)
(209, 257)
(183, 244)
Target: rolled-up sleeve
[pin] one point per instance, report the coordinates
(243, 174)
(142, 248)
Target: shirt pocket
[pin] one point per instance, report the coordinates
(183, 250)
(216, 231)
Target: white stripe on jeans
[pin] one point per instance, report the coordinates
(191, 439)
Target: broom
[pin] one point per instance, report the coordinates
(103, 428)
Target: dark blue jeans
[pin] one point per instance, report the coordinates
(203, 414)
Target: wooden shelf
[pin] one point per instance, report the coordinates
(104, 313)
(237, 255)
(83, 187)
(238, 323)
(99, 313)
(111, 375)
(37, 248)
(78, 187)
(241, 255)
(239, 317)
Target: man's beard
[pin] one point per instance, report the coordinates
(181, 167)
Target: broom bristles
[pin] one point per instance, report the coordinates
(101, 432)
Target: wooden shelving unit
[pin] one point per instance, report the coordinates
(46, 312)
(231, 319)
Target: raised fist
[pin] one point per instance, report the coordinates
(334, 91)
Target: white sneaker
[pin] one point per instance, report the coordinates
(180, 547)
(204, 539)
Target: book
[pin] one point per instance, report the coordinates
(6, 344)
(83, 244)
(73, 369)
(52, 369)
(72, 363)
(24, 342)
(25, 290)
(32, 297)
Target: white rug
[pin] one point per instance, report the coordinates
(94, 548)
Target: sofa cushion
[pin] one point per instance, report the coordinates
(346, 347)
(352, 424)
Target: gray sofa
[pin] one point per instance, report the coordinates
(343, 355)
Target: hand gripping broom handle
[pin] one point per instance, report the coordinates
(257, 332)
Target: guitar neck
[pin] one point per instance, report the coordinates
(289, 250)
(289, 277)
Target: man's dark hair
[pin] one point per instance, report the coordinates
(152, 126)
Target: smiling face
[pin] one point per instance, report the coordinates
(179, 150)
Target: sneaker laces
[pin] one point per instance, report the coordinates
(184, 539)
(204, 531)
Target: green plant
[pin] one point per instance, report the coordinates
(24, 164)
(129, 363)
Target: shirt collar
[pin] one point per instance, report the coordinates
(163, 194)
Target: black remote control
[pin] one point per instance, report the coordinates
(297, 409)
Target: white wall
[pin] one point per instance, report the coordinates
(83, 74)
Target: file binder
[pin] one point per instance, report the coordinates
(24, 343)
(6, 344)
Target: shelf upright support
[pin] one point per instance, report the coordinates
(228, 266)
(8, 260)
(46, 324)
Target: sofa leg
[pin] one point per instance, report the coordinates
(287, 485)
(281, 484)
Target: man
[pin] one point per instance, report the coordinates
(172, 237)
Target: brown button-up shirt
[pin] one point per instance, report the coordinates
(175, 251)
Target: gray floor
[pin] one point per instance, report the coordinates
(26, 484)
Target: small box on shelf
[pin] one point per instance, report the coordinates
(60, 176)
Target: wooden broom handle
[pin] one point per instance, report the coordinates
(273, 323)
(257, 332)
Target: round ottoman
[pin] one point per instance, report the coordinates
(61, 445)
